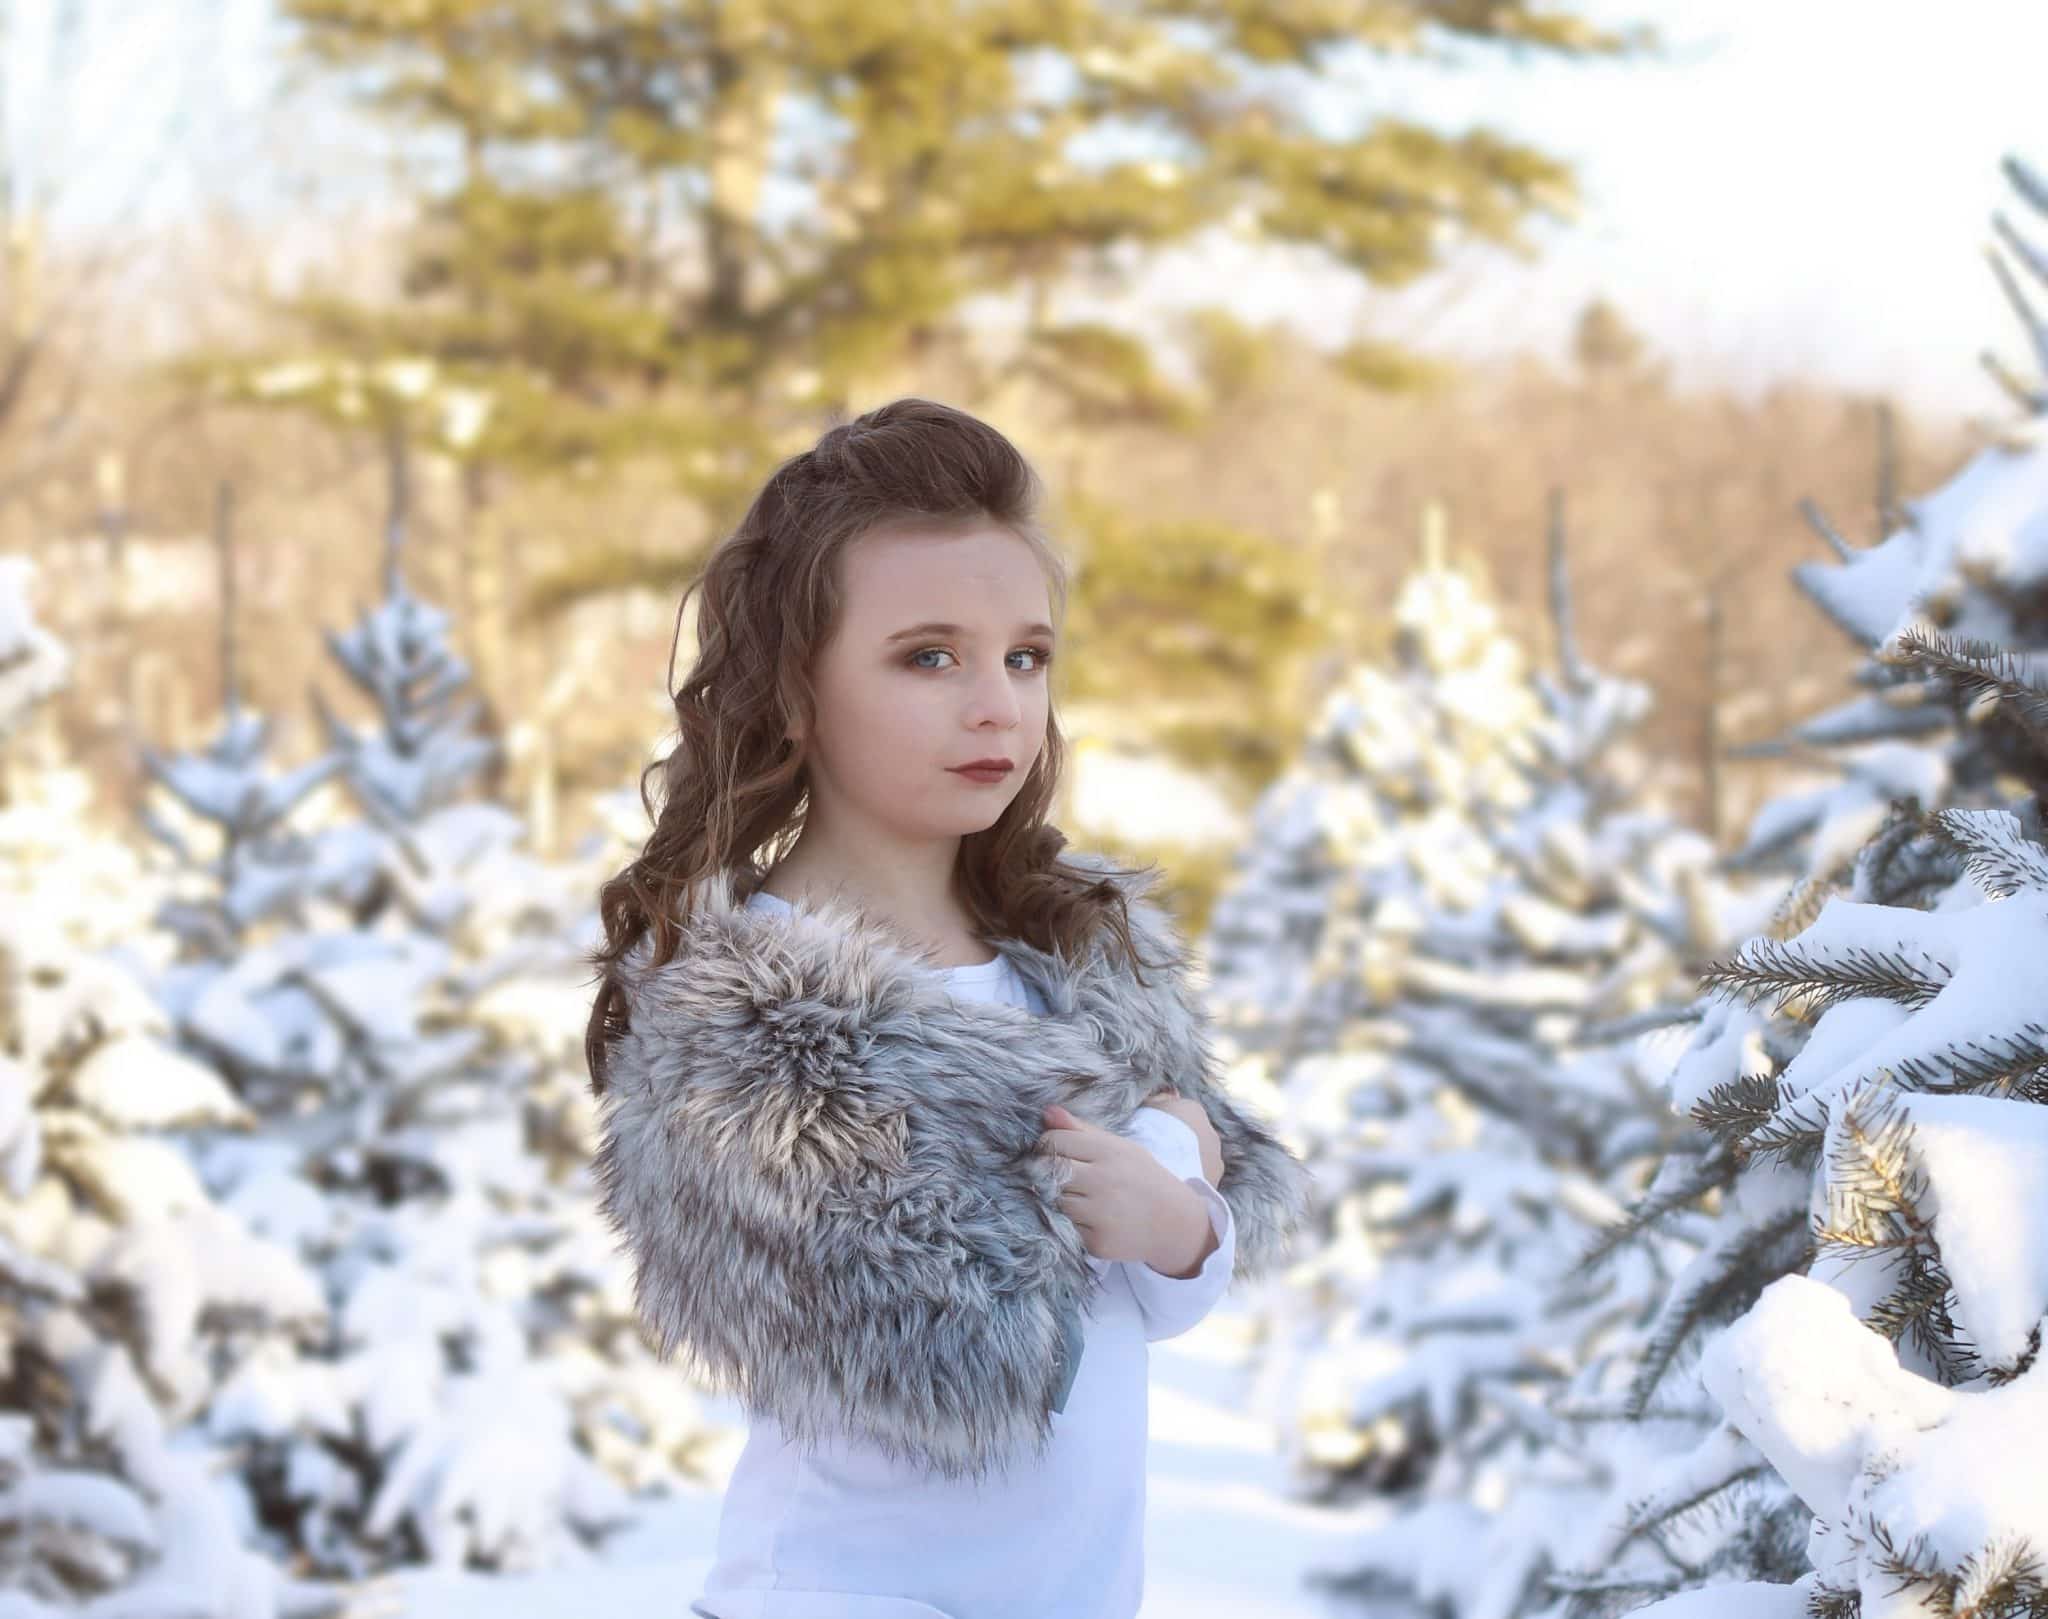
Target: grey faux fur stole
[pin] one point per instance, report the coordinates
(825, 1168)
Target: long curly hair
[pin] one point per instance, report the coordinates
(734, 787)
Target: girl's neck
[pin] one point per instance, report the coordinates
(946, 933)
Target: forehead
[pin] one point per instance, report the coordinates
(972, 575)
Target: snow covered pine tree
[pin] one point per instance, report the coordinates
(1870, 1125)
(117, 1268)
(1897, 1387)
(1488, 895)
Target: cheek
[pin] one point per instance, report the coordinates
(887, 721)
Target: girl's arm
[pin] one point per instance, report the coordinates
(1170, 1304)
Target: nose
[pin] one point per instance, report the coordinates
(996, 698)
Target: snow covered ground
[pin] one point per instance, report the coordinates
(1221, 1537)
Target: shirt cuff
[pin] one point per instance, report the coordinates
(1172, 1304)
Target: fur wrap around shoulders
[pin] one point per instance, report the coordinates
(826, 1171)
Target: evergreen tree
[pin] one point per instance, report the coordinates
(1960, 564)
(686, 233)
(1433, 1009)
(120, 1276)
(1799, 1157)
(1893, 1390)
(287, 1006)
(459, 1262)
(667, 223)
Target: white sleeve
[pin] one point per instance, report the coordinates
(1172, 1304)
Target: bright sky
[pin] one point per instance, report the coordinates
(1798, 187)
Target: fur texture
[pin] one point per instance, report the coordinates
(826, 1169)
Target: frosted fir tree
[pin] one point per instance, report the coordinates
(1889, 1402)
(1379, 811)
(409, 769)
(1744, 1182)
(117, 1268)
(1966, 562)
(249, 873)
(434, 854)
(462, 1268)
(1436, 1056)
(284, 978)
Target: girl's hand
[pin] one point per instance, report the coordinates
(1196, 1118)
(1127, 1204)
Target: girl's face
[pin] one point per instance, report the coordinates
(899, 705)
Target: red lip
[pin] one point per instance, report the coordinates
(1002, 765)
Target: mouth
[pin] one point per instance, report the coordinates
(993, 770)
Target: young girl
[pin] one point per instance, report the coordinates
(908, 1149)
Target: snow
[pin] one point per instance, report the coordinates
(1733, 1599)
(1986, 1163)
(1988, 521)
(1837, 819)
(89, 1501)
(1982, 966)
(1873, 1447)
(142, 1084)
(1808, 1382)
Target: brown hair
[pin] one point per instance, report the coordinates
(771, 594)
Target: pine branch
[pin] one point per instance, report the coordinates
(1632, 1024)
(1920, 1306)
(1833, 1602)
(1608, 1409)
(1596, 1596)
(1874, 1191)
(1996, 850)
(1820, 979)
(1715, 1170)
(1912, 1564)
(1980, 671)
(1731, 1111)
(1797, 910)
(1997, 1376)
(1817, 520)
(1733, 1273)
(2005, 1065)
(1875, 1195)
(1903, 863)
(1646, 1516)
(2020, 175)
(1368, 1584)
(2003, 1579)
(1767, 1541)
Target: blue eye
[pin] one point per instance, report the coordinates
(1042, 654)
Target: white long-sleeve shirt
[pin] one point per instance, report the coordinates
(843, 1532)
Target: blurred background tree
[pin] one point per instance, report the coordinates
(685, 234)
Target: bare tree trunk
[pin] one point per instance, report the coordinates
(483, 583)
(744, 94)
(1715, 738)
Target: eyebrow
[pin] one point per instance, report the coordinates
(934, 627)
